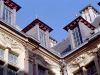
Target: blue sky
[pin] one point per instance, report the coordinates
(55, 13)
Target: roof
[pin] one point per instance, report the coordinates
(94, 36)
(96, 22)
(12, 4)
(42, 25)
(62, 46)
(18, 31)
(52, 38)
(87, 8)
(74, 23)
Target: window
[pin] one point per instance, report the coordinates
(1, 70)
(7, 14)
(13, 59)
(77, 36)
(91, 69)
(11, 72)
(1, 53)
(42, 37)
(41, 71)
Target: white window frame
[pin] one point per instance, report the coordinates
(76, 36)
(42, 35)
(7, 14)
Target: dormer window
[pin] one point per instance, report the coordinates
(77, 36)
(42, 37)
(7, 13)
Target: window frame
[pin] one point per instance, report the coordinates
(42, 36)
(12, 60)
(77, 36)
(7, 14)
(1, 57)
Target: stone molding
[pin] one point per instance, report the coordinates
(7, 42)
(82, 60)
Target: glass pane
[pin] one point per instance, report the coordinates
(77, 36)
(42, 37)
(6, 14)
(1, 70)
(11, 72)
(1, 53)
(13, 59)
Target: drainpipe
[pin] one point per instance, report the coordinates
(63, 65)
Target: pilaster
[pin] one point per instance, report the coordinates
(1, 8)
(13, 21)
(84, 70)
(71, 39)
(47, 40)
(6, 55)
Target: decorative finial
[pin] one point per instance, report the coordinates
(76, 15)
(36, 17)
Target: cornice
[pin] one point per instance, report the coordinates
(12, 4)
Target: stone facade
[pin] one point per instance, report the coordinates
(23, 54)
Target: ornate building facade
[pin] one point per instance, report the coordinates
(32, 51)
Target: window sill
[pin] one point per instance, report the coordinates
(95, 73)
(13, 66)
(2, 61)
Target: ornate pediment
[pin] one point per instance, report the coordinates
(31, 56)
(81, 60)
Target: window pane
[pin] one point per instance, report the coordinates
(77, 36)
(1, 53)
(1, 70)
(91, 69)
(11, 72)
(13, 59)
(42, 37)
(6, 14)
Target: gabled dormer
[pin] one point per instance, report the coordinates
(8, 10)
(89, 13)
(40, 31)
(79, 31)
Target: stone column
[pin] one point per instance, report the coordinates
(84, 70)
(6, 53)
(6, 59)
(47, 40)
(1, 8)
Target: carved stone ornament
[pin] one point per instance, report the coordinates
(31, 56)
(8, 42)
(83, 59)
(52, 63)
